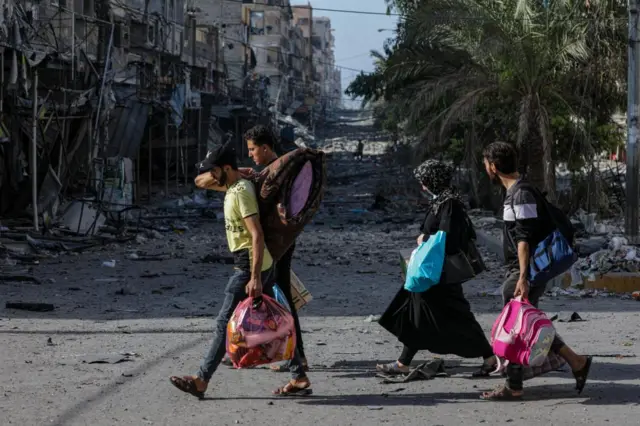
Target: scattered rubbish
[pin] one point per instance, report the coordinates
(374, 407)
(591, 245)
(636, 295)
(425, 371)
(148, 258)
(19, 278)
(80, 218)
(50, 342)
(33, 307)
(107, 358)
(617, 243)
(372, 318)
(109, 263)
(574, 317)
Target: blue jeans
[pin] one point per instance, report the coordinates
(235, 293)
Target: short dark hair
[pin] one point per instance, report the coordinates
(503, 155)
(261, 135)
(224, 155)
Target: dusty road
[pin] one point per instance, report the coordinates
(160, 313)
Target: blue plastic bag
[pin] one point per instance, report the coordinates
(280, 297)
(425, 265)
(552, 256)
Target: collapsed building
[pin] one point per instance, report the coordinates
(108, 102)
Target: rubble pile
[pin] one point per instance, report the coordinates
(81, 227)
(618, 256)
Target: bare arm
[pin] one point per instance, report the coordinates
(257, 244)
(207, 181)
(523, 258)
(522, 287)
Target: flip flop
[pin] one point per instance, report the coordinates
(501, 393)
(582, 375)
(187, 384)
(291, 390)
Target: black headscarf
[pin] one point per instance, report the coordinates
(436, 176)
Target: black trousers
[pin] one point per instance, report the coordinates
(283, 279)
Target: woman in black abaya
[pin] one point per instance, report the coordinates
(440, 319)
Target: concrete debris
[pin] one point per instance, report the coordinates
(619, 257)
(81, 218)
(582, 293)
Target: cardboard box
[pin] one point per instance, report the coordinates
(299, 293)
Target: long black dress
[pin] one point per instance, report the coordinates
(440, 319)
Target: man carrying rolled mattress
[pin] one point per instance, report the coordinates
(261, 144)
(253, 267)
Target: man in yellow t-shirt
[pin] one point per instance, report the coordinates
(240, 202)
(253, 267)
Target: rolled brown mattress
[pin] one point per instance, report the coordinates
(296, 181)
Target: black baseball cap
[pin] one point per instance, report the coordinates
(224, 155)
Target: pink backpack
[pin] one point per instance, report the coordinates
(522, 334)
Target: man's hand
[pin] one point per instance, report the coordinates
(205, 180)
(522, 289)
(282, 213)
(420, 239)
(246, 172)
(254, 287)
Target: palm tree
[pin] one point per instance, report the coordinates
(458, 57)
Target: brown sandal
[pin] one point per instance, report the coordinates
(187, 384)
(291, 389)
(501, 393)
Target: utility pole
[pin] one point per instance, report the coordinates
(33, 153)
(633, 123)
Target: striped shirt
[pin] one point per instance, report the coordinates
(525, 219)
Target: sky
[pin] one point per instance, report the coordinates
(356, 34)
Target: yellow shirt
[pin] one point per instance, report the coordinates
(240, 202)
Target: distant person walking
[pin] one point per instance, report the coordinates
(359, 151)
(527, 223)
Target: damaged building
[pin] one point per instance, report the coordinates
(108, 104)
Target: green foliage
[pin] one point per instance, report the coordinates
(549, 79)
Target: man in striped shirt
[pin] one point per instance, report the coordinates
(526, 224)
